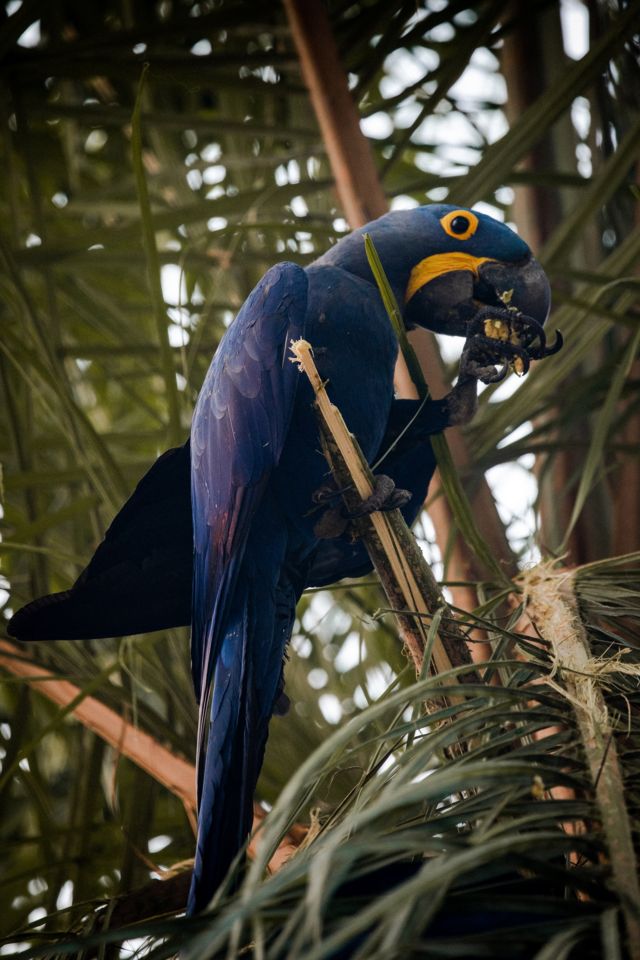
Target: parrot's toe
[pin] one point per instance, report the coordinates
(385, 496)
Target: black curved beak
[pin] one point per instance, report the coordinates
(521, 286)
(449, 302)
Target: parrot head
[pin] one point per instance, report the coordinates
(445, 263)
(479, 262)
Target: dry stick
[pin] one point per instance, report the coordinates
(174, 773)
(553, 608)
(407, 580)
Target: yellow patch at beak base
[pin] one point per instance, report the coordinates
(438, 264)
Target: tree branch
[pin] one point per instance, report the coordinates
(173, 772)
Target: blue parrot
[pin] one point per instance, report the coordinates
(233, 547)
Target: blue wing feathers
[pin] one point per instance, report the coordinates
(239, 429)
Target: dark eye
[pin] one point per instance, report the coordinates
(459, 225)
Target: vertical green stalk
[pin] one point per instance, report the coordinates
(458, 500)
(153, 267)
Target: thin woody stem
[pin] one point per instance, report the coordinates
(406, 578)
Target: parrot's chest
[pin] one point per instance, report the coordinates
(355, 351)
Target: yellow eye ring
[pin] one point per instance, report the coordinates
(459, 224)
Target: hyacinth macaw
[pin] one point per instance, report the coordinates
(222, 532)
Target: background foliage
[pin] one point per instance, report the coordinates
(105, 337)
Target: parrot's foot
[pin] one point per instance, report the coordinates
(478, 363)
(385, 496)
(334, 521)
(512, 328)
(498, 339)
(482, 353)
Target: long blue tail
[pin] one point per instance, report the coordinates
(247, 683)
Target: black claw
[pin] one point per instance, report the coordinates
(528, 329)
(555, 346)
(325, 494)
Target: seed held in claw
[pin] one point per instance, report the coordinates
(500, 330)
(496, 329)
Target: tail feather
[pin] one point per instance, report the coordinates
(226, 814)
(246, 687)
(139, 578)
